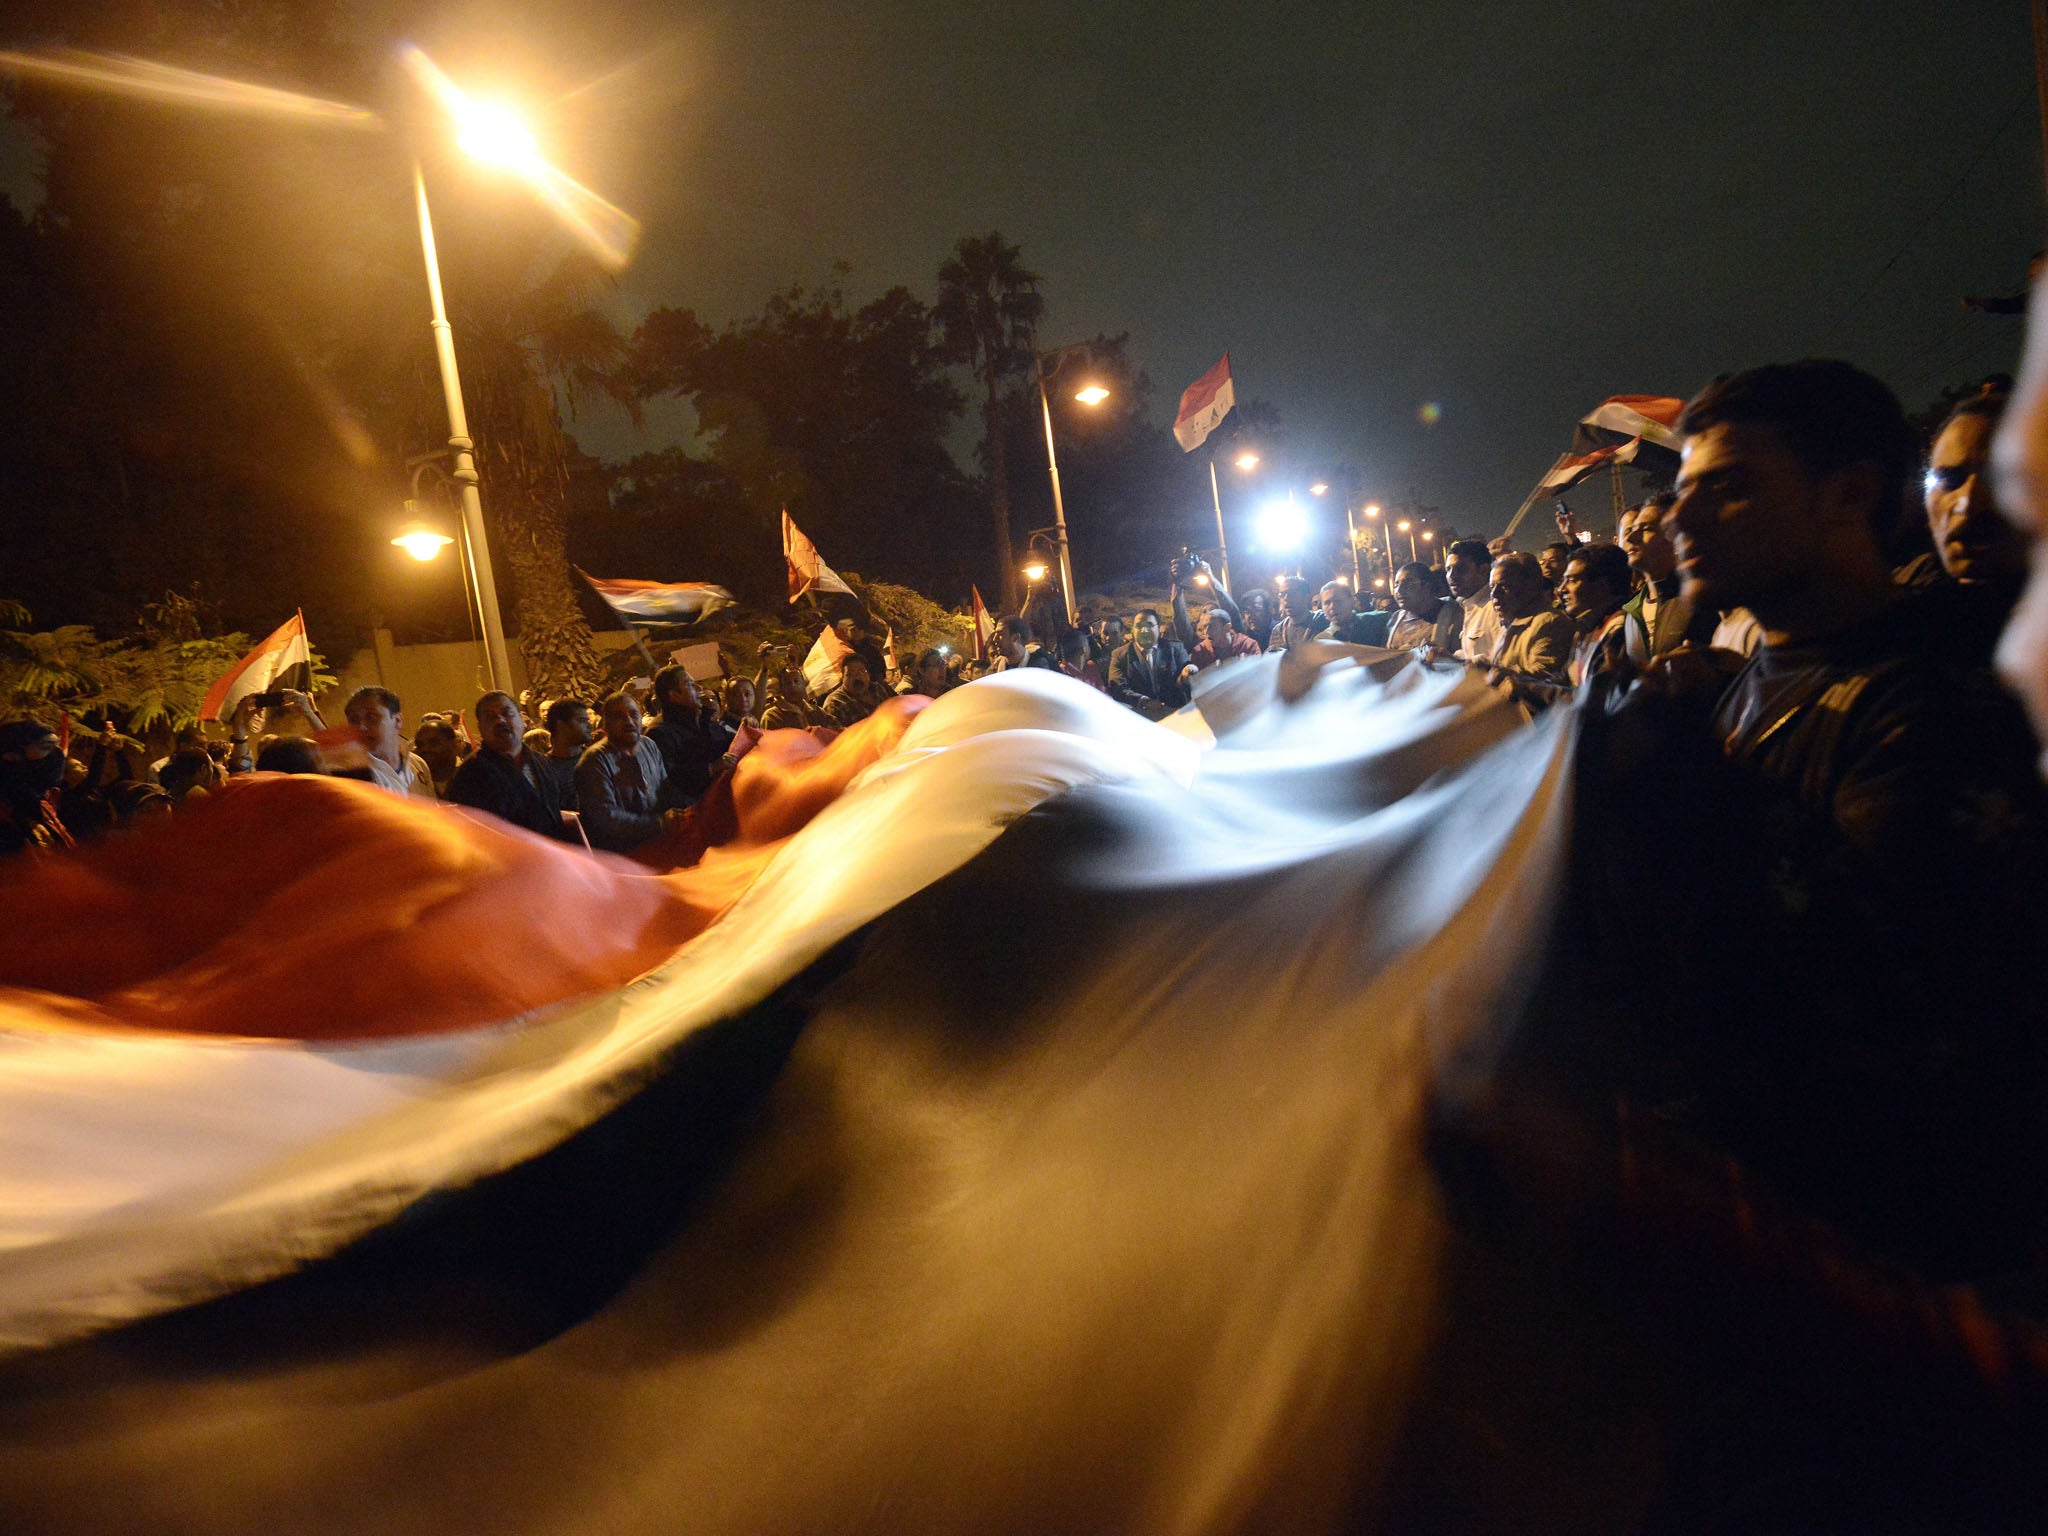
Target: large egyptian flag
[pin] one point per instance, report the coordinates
(659, 602)
(1203, 405)
(281, 661)
(1014, 1116)
(807, 571)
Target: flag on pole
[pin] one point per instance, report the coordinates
(1652, 419)
(1204, 404)
(984, 627)
(270, 665)
(823, 664)
(659, 602)
(807, 573)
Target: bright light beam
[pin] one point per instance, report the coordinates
(1282, 525)
(493, 134)
(116, 74)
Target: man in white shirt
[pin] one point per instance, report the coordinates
(1468, 567)
(377, 713)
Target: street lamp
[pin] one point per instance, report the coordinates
(1320, 488)
(1404, 526)
(422, 543)
(490, 132)
(1429, 538)
(1246, 460)
(1035, 572)
(1089, 395)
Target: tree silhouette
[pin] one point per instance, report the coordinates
(988, 309)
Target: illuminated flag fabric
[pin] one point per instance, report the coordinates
(659, 602)
(1203, 405)
(984, 626)
(1571, 468)
(1007, 1107)
(1651, 419)
(281, 661)
(826, 656)
(807, 572)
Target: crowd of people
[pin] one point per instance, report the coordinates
(1782, 673)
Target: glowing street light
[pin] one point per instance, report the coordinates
(491, 132)
(1283, 525)
(1035, 572)
(1320, 488)
(1094, 394)
(1247, 460)
(1404, 526)
(422, 543)
(1372, 509)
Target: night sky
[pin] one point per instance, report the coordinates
(1509, 210)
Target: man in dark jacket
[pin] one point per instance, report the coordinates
(691, 748)
(1844, 1001)
(502, 777)
(1148, 673)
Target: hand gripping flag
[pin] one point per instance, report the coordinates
(1206, 402)
(659, 602)
(269, 666)
(807, 573)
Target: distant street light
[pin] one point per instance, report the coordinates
(1372, 509)
(1247, 460)
(1320, 488)
(1094, 394)
(1404, 526)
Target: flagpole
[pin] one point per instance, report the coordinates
(1223, 544)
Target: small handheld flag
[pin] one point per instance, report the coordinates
(270, 665)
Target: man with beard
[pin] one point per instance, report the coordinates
(503, 777)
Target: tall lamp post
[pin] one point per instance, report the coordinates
(497, 660)
(1090, 395)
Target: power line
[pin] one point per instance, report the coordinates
(1919, 229)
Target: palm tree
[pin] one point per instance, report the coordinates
(988, 309)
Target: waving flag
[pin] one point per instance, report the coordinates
(659, 602)
(1653, 419)
(1203, 406)
(824, 661)
(281, 661)
(984, 626)
(807, 573)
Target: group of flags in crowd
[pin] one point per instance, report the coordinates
(1623, 429)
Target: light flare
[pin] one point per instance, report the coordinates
(118, 74)
(492, 133)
